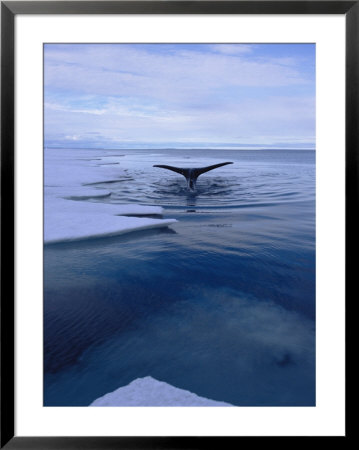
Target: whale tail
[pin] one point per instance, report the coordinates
(191, 174)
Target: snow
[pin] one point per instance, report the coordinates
(148, 391)
(69, 213)
(78, 221)
(72, 170)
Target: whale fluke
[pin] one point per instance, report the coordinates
(191, 174)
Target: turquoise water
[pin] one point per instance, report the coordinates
(222, 303)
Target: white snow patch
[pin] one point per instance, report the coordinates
(68, 216)
(66, 168)
(150, 392)
(68, 220)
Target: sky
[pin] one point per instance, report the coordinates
(179, 95)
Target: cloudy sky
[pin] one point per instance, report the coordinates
(179, 95)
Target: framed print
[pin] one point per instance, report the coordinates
(177, 186)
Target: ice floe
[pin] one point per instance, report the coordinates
(68, 213)
(148, 391)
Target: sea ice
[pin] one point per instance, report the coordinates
(68, 216)
(150, 392)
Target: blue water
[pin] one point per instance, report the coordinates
(222, 303)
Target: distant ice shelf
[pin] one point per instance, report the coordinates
(148, 391)
(68, 212)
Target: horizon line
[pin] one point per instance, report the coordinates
(178, 148)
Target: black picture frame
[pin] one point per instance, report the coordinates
(9, 9)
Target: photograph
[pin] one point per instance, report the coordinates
(179, 256)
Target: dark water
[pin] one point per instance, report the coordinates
(221, 304)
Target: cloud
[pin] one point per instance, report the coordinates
(168, 92)
(232, 49)
(59, 107)
(133, 70)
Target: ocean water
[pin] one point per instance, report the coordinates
(222, 303)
